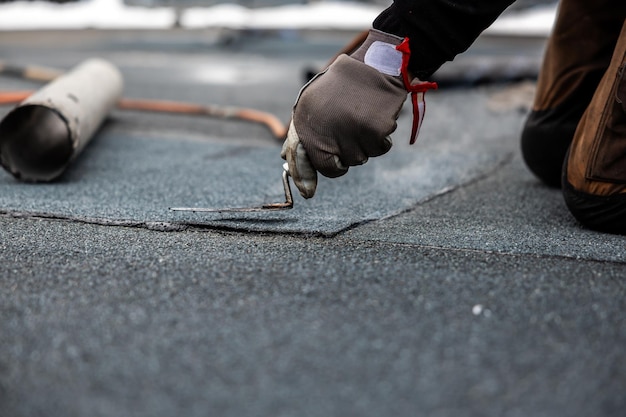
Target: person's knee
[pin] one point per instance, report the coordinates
(545, 139)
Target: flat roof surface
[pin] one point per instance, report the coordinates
(440, 279)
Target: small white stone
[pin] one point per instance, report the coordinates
(477, 309)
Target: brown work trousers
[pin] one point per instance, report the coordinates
(575, 135)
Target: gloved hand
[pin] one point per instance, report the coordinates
(345, 114)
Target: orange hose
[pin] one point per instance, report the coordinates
(272, 122)
(277, 128)
(13, 97)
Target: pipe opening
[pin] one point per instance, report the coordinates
(35, 143)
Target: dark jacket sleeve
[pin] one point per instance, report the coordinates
(438, 30)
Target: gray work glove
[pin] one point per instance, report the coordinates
(345, 114)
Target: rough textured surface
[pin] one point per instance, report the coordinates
(485, 300)
(109, 321)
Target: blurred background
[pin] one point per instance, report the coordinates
(510, 50)
(32, 14)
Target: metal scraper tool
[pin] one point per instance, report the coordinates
(288, 204)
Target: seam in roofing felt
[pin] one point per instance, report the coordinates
(178, 227)
(507, 253)
(156, 226)
(446, 190)
(164, 226)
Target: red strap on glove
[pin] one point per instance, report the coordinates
(414, 89)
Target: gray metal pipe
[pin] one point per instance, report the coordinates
(44, 133)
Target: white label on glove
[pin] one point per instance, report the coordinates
(384, 57)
